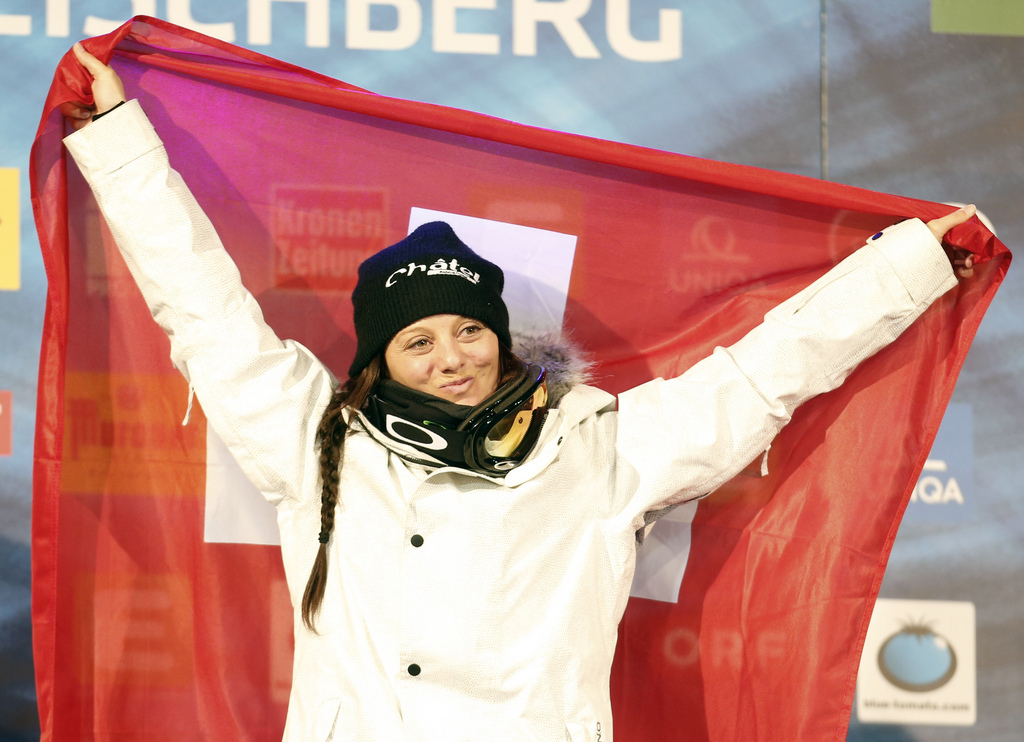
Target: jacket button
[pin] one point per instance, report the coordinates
(417, 540)
(414, 669)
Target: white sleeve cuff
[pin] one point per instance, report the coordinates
(118, 138)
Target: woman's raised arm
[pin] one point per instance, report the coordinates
(263, 396)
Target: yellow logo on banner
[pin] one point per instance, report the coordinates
(10, 230)
(123, 436)
(983, 17)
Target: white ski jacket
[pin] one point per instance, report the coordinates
(499, 621)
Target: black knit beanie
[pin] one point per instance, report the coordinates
(430, 272)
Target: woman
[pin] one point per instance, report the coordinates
(469, 518)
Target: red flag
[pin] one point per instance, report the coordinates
(143, 630)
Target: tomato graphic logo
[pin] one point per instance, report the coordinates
(917, 659)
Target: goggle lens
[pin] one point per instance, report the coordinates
(504, 438)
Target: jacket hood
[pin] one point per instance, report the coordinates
(566, 362)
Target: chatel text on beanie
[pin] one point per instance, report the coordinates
(429, 272)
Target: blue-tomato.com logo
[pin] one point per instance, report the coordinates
(919, 664)
(917, 659)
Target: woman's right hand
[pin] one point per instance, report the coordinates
(107, 90)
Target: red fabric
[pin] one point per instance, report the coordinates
(143, 631)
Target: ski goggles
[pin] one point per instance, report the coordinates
(491, 438)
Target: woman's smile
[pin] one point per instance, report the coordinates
(458, 386)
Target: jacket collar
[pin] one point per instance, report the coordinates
(576, 405)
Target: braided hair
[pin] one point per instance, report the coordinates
(330, 437)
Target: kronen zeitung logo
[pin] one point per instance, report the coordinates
(438, 268)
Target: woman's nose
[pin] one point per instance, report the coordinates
(450, 355)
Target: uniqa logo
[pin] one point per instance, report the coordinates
(438, 268)
(917, 659)
(931, 490)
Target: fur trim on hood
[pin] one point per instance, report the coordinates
(566, 362)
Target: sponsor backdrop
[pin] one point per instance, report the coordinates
(912, 97)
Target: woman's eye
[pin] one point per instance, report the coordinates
(471, 329)
(417, 344)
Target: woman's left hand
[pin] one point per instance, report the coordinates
(105, 86)
(962, 260)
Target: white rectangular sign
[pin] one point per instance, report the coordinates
(537, 264)
(918, 665)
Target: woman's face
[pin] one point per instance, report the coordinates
(446, 355)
